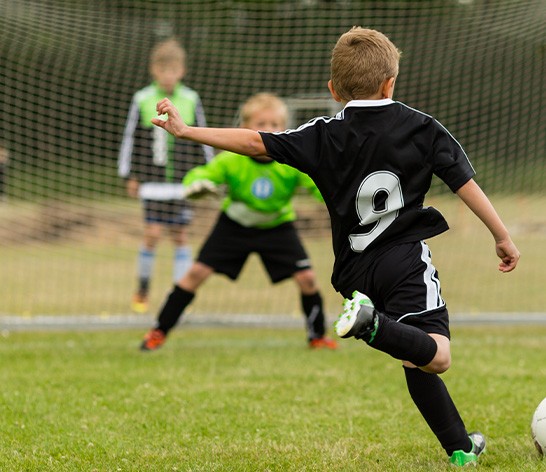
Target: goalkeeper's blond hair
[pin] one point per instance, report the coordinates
(262, 101)
(362, 60)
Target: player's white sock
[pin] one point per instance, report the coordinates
(146, 258)
(182, 262)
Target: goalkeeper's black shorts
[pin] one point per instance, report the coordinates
(229, 244)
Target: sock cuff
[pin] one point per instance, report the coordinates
(402, 341)
(180, 292)
(425, 353)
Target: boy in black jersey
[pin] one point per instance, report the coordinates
(373, 164)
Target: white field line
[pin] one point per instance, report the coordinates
(102, 322)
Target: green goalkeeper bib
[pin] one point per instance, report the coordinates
(258, 194)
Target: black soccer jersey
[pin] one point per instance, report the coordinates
(373, 164)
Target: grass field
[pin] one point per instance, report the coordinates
(254, 400)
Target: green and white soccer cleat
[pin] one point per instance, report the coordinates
(358, 318)
(461, 459)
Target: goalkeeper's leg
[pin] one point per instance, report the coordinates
(311, 302)
(176, 302)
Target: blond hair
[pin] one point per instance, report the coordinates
(262, 101)
(362, 60)
(168, 52)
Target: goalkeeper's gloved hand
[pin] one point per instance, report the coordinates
(200, 189)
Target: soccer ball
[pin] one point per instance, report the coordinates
(538, 427)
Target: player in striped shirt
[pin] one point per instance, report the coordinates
(149, 154)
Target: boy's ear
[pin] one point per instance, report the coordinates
(335, 96)
(387, 89)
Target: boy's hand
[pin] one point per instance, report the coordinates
(132, 188)
(173, 123)
(509, 255)
(199, 189)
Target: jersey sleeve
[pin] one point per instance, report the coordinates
(214, 170)
(298, 148)
(308, 184)
(126, 149)
(450, 162)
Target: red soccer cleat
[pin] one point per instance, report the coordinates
(323, 343)
(153, 340)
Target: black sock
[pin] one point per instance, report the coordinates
(431, 397)
(175, 304)
(314, 315)
(403, 341)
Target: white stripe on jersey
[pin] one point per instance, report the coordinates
(434, 299)
(312, 122)
(126, 150)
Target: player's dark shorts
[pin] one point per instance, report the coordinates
(170, 212)
(229, 245)
(403, 284)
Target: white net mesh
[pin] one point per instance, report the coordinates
(69, 235)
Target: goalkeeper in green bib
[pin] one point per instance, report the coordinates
(257, 215)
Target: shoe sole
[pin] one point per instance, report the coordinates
(145, 348)
(471, 461)
(330, 347)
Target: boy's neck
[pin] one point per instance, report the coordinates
(168, 92)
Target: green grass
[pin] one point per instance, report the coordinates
(254, 400)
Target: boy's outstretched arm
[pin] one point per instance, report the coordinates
(472, 195)
(239, 140)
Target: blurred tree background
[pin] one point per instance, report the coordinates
(70, 67)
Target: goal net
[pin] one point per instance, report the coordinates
(69, 233)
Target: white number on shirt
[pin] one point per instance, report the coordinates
(378, 200)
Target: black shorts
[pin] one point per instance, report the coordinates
(170, 212)
(229, 244)
(403, 284)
